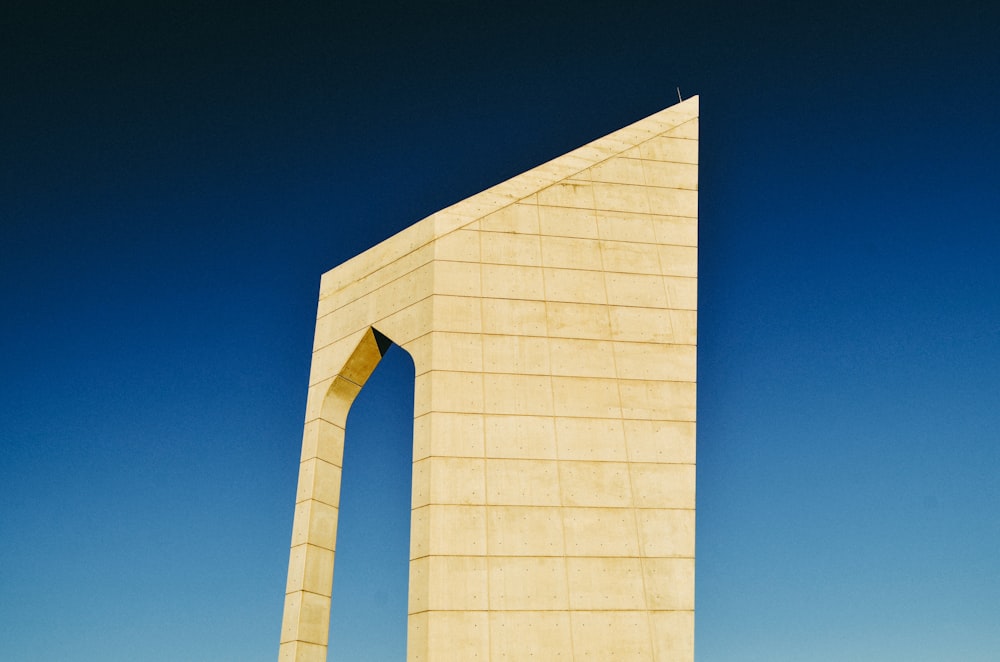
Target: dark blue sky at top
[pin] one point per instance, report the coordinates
(175, 178)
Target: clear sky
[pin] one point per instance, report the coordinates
(175, 178)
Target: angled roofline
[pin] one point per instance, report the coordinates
(507, 193)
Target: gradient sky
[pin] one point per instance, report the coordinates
(175, 178)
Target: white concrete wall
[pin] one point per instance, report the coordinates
(552, 321)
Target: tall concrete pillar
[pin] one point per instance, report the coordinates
(552, 322)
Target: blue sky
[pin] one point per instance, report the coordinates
(175, 178)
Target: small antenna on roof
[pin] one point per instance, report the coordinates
(679, 98)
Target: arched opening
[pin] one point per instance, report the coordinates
(369, 605)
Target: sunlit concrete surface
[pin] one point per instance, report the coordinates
(552, 321)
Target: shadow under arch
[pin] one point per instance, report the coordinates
(352, 377)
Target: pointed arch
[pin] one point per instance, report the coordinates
(369, 604)
(306, 618)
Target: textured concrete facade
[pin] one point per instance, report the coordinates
(552, 324)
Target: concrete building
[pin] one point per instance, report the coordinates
(552, 322)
